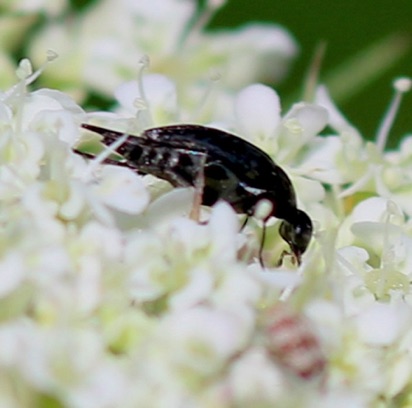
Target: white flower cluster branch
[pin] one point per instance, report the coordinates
(111, 296)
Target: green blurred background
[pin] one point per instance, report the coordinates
(349, 28)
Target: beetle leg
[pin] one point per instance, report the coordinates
(282, 255)
(295, 259)
(199, 185)
(262, 243)
(244, 222)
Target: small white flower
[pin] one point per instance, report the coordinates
(258, 113)
(263, 51)
(254, 380)
(257, 110)
(158, 104)
(12, 273)
(382, 324)
(111, 300)
(197, 290)
(320, 160)
(223, 227)
(206, 337)
(121, 189)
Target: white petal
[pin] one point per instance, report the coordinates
(224, 226)
(311, 118)
(307, 190)
(215, 329)
(237, 289)
(88, 283)
(60, 123)
(174, 203)
(37, 104)
(159, 97)
(321, 160)
(74, 203)
(381, 324)
(279, 278)
(6, 114)
(375, 209)
(162, 11)
(11, 273)
(253, 378)
(127, 93)
(197, 290)
(123, 190)
(257, 109)
(263, 51)
(100, 238)
(65, 101)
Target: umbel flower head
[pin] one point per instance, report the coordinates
(100, 48)
(111, 296)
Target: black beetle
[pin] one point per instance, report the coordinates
(230, 169)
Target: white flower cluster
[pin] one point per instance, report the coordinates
(101, 47)
(110, 296)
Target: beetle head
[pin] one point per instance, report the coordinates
(297, 232)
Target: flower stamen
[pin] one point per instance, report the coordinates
(198, 23)
(101, 157)
(214, 77)
(15, 97)
(312, 76)
(142, 104)
(358, 185)
(388, 253)
(401, 86)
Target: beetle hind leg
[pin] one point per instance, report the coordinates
(199, 185)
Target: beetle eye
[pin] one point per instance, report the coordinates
(284, 231)
(303, 229)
